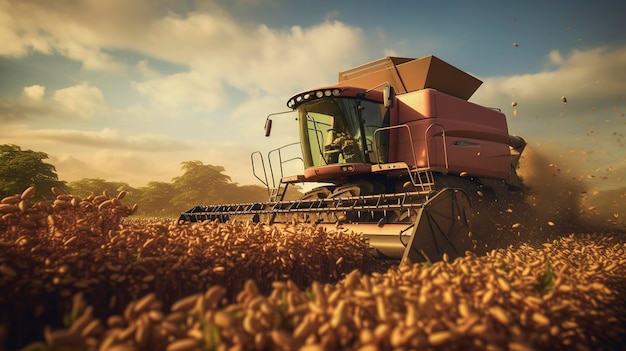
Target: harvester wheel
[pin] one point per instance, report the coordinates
(346, 191)
(355, 189)
(321, 192)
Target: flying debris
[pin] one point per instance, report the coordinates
(515, 44)
(514, 103)
(564, 99)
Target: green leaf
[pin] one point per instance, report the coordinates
(545, 282)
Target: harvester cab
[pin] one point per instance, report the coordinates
(400, 152)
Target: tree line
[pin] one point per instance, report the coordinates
(199, 184)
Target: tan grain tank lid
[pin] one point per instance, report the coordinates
(409, 74)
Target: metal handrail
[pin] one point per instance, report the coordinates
(429, 178)
(273, 190)
(395, 127)
(264, 182)
(280, 161)
(445, 146)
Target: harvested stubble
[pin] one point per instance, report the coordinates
(567, 294)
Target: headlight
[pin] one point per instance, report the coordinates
(296, 100)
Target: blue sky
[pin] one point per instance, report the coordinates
(127, 90)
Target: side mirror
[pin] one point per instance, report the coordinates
(388, 96)
(268, 127)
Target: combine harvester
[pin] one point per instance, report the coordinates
(401, 155)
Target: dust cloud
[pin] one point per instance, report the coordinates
(563, 197)
(555, 201)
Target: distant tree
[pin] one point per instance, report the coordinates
(257, 193)
(20, 169)
(294, 192)
(95, 186)
(87, 186)
(200, 184)
(208, 185)
(156, 200)
(249, 193)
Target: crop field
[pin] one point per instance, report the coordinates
(78, 274)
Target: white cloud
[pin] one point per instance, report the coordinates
(258, 61)
(34, 92)
(80, 100)
(76, 102)
(283, 63)
(255, 60)
(586, 130)
(92, 58)
(103, 139)
(17, 40)
(592, 79)
(190, 90)
(252, 58)
(143, 67)
(555, 57)
(77, 30)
